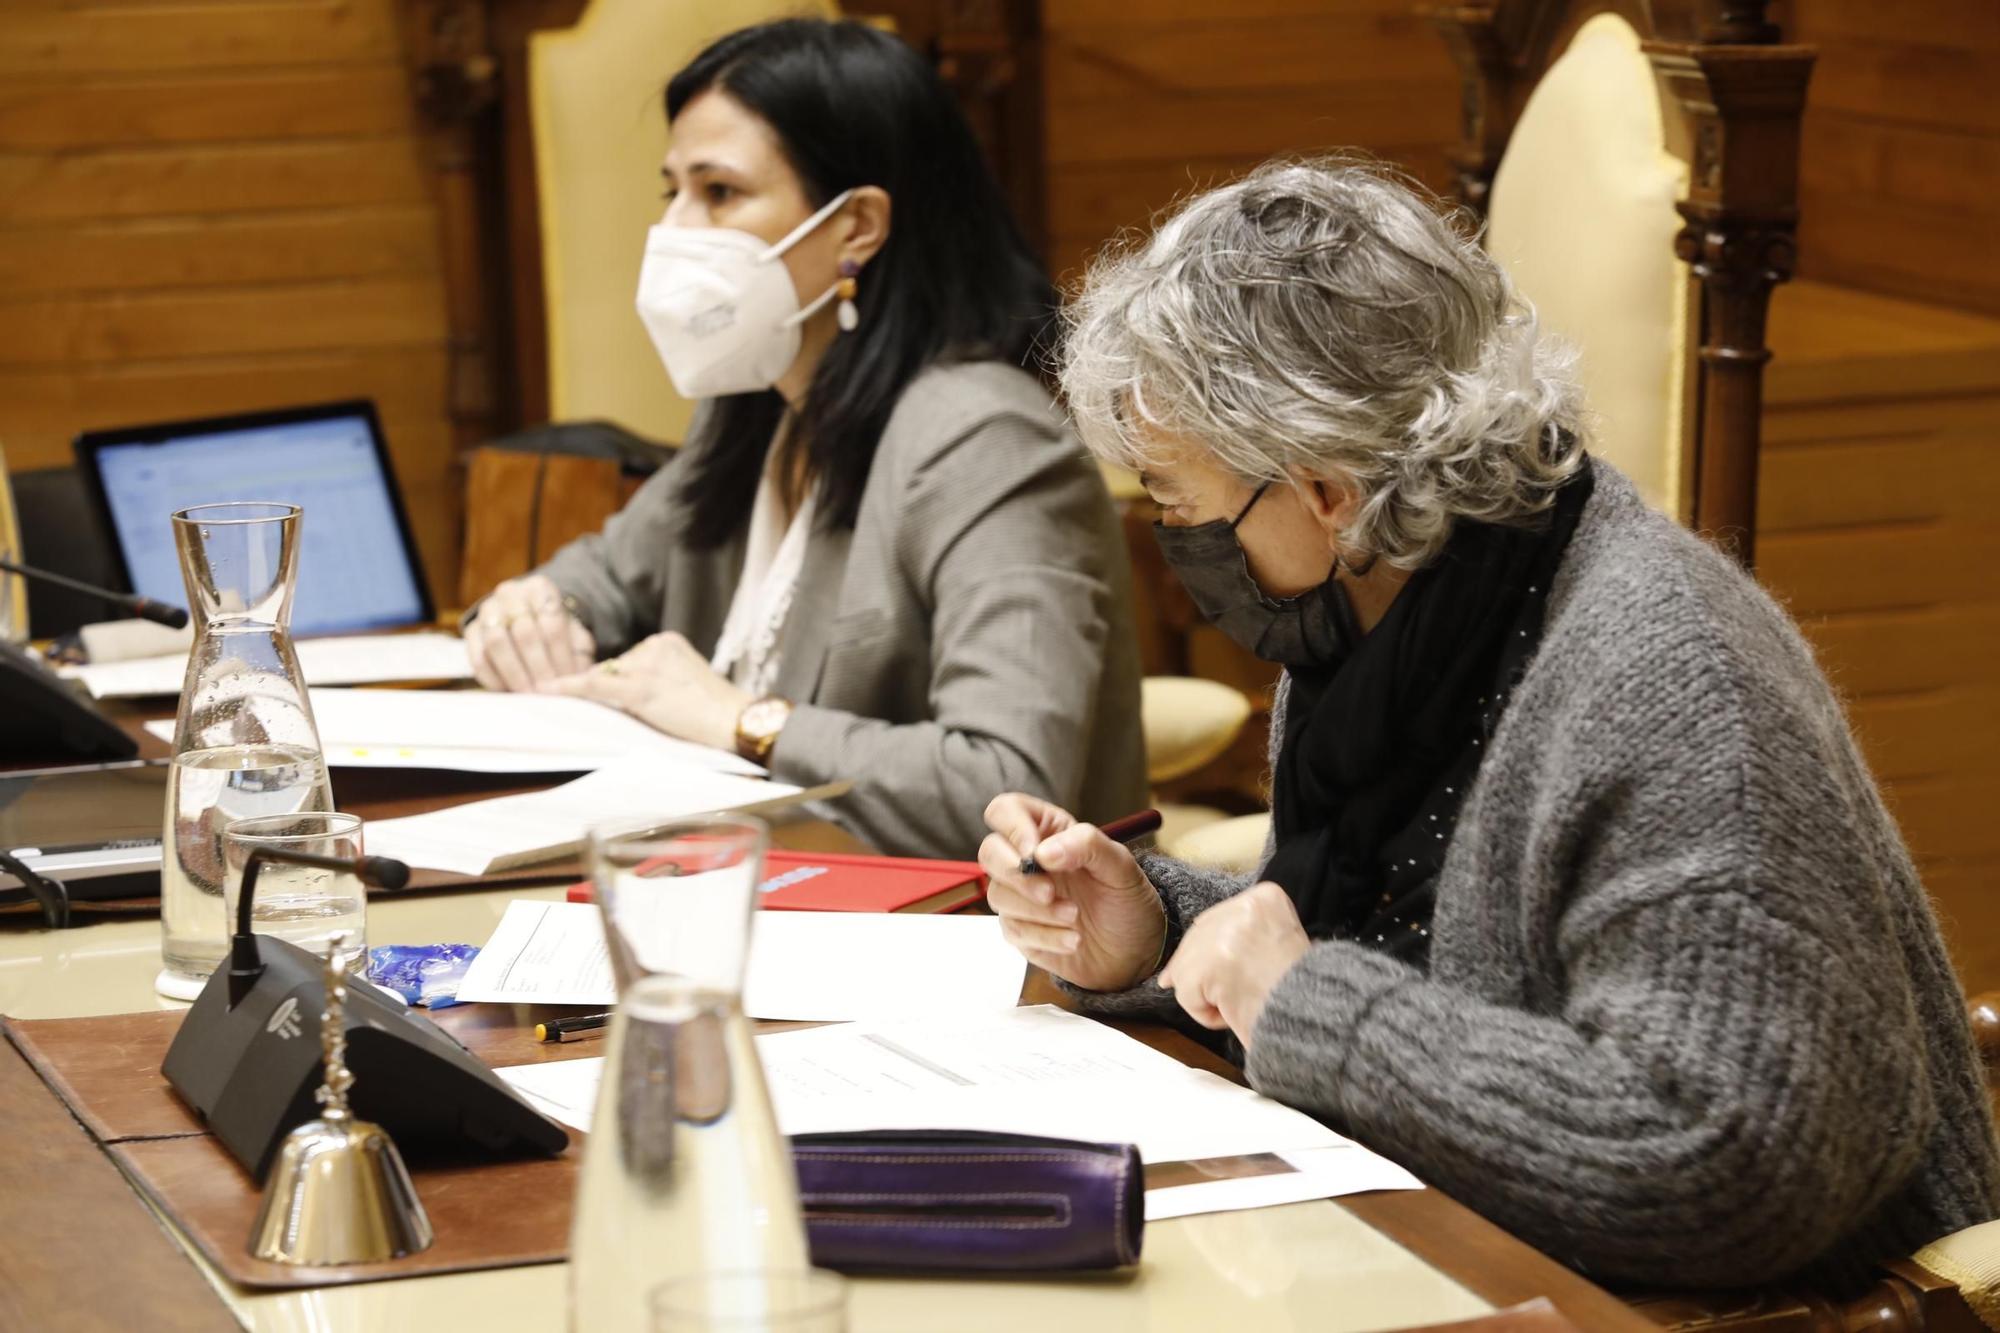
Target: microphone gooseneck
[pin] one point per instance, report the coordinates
(245, 964)
(160, 613)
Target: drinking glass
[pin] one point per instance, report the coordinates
(753, 1301)
(684, 1171)
(244, 739)
(304, 905)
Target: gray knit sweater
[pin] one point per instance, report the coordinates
(1687, 1018)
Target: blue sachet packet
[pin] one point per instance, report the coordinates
(423, 974)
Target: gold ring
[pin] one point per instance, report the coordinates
(609, 668)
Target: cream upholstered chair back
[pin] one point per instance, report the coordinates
(594, 97)
(1582, 216)
(13, 588)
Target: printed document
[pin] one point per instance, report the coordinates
(1030, 1070)
(814, 966)
(486, 837)
(474, 731)
(360, 659)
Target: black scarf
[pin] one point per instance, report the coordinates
(1380, 747)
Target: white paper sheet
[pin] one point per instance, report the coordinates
(1317, 1173)
(362, 659)
(484, 837)
(1031, 1070)
(485, 732)
(820, 966)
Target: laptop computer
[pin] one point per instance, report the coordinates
(358, 565)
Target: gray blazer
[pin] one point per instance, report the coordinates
(971, 635)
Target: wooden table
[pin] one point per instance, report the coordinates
(84, 1251)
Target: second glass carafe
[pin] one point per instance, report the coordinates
(685, 1170)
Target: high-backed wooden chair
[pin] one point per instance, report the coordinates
(1581, 215)
(599, 133)
(1730, 95)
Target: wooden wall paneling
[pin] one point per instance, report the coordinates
(1108, 13)
(87, 185)
(1962, 893)
(210, 206)
(42, 410)
(1376, 115)
(231, 321)
(198, 38)
(1884, 243)
(1224, 53)
(1903, 650)
(40, 112)
(1902, 137)
(1148, 103)
(231, 250)
(1881, 455)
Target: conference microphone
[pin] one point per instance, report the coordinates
(245, 965)
(143, 607)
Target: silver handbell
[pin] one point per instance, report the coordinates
(338, 1193)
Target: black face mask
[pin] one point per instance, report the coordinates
(1315, 628)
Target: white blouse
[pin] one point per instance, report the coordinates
(749, 651)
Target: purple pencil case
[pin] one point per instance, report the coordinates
(958, 1201)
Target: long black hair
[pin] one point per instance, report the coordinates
(854, 106)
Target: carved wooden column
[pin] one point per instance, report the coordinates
(1486, 114)
(453, 83)
(989, 54)
(1743, 104)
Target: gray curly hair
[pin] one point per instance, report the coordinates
(1327, 316)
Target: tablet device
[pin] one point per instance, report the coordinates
(358, 566)
(91, 828)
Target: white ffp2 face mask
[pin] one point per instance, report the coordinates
(720, 306)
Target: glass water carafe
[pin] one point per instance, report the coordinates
(244, 740)
(685, 1170)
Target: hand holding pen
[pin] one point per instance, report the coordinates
(1070, 896)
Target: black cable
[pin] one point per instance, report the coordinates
(51, 894)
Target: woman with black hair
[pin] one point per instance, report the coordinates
(881, 555)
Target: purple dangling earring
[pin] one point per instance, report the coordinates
(846, 315)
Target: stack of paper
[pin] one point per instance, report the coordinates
(1033, 1070)
(473, 731)
(818, 966)
(484, 837)
(482, 732)
(361, 659)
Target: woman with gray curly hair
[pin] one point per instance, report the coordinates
(1580, 901)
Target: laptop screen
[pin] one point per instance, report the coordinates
(356, 568)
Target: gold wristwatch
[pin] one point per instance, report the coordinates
(758, 725)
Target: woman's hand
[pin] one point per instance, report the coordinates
(1234, 955)
(523, 637)
(668, 685)
(1091, 917)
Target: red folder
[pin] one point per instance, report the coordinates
(831, 882)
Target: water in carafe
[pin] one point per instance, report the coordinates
(244, 738)
(210, 787)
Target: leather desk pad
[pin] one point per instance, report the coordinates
(487, 1213)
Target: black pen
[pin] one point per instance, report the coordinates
(572, 1029)
(1124, 830)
